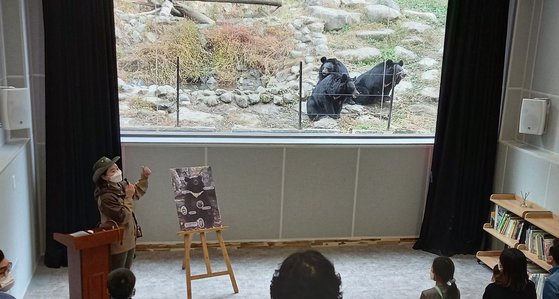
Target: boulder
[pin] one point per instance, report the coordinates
(381, 13)
(361, 54)
(334, 19)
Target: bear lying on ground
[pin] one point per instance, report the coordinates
(376, 82)
(328, 96)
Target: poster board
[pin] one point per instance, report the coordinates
(195, 197)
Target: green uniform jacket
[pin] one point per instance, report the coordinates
(111, 203)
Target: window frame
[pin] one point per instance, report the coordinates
(268, 138)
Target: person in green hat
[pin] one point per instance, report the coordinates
(115, 200)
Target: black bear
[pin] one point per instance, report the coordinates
(329, 66)
(197, 211)
(376, 82)
(328, 96)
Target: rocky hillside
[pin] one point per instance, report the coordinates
(264, 94)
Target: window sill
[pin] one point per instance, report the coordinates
(268, 138)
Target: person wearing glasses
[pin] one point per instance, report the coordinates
(6, 278)
(121, 283)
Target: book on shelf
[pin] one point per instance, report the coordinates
(538, 279)
(499, 214)
(547, 242)
(510, 225)
(503, 220)
(531, 236)
(522, 236)
(518, 231)
(538, 242)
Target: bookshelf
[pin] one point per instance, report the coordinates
(513, 202)
(534, 258)
(490, 258)
(532, 213)
(546, 221)
(508, 241)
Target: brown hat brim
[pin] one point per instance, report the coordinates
(102, 165)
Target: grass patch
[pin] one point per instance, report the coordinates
(438, 7)
(155, 63)
(238, 47)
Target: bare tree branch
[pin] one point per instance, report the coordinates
(148, 12)
(277, 3)
(190, 13)
(142, 3)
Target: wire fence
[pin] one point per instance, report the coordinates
(374, 91)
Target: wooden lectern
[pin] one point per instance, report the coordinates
(89, 261)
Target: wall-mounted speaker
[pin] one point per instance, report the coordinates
(533, 115)
(15, 108)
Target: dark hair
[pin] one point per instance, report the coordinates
(101, 182)
(306, 275)
(514, 274)
(443, 268)
(1, 255)
(553, 251)
(121, 283)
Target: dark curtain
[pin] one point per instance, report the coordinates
(82, 120)
(466, 138)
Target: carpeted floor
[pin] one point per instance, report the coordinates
(373, 271)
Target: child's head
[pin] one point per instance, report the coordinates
(553, 258)
(443, 269)
(121, 283)
(443, 273)
(308, 275)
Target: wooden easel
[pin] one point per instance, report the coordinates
(186, 261)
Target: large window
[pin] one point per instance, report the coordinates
(244, 67)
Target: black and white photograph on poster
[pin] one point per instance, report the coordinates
(195, 197)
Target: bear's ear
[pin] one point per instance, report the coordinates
(401, 63)
(323, 59)
(389, 61)
(344, 77)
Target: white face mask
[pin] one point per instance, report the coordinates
(117, 177)
(6, 282)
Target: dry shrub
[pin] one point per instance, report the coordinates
(155, 63)
(128, 6)
(236, 47)
(138, 103)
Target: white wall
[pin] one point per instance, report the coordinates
(19, 212)
(14, 42)
(362, 190)
(530, 163)
(272, 192)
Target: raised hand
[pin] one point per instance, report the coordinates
(130, 190)
(145, 172)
